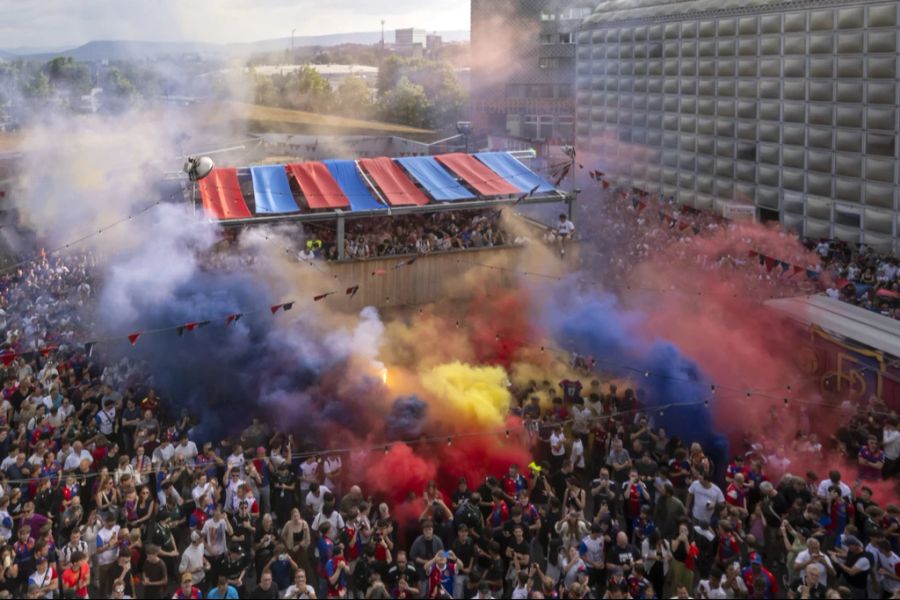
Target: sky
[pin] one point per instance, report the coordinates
(68, 23)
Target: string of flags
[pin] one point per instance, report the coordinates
(771, 262)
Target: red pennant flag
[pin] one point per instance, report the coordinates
(592, 175)
(191, 326)
(641, 206)
(133, 338)
(682, 225)
(275, 308)
(795, 269)
(233, 318)
(770, 263)
(322, 296)
(46, 350)
(351, 291)
(605, 184)
(754, 254)
(7, 357)
(378, 272)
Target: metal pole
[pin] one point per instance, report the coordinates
(340, 235)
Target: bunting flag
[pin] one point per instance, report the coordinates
(754, 254)
(784, 267)
(795, 269)
(634, 203)
(527, 195)
(203, 323)
(641, 206)
(812, 274)
(322, 296)
(283, 307)
(351, 291)
(7, 357)
(770, 263)
(406, 263)
(580, 166)
(89, 348)
(378, 272)
(562, 175)
(133, 337)
(682, 225)
(592, 175)
(233, 318)
(46, 350)
(604, 183)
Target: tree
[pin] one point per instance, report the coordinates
(119, 92)
(38, 87)
(406, 104)
(69, 76)
(354, 99)
(305, 89)
(445, 95)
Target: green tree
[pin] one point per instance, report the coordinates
(405, 104)
(67, 75)
(354, 98)
(445, 95)
(119, 93)
(38, 87)
(306, 89)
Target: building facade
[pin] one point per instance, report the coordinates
(791, 105)
(523, 67)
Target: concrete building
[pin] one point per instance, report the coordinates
(789, 105)
(410, 42)
(523, 67)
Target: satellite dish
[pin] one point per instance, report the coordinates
(198, 167)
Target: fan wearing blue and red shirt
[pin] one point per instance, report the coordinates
(513, 482)
(337, 570)
(755, 571)
(871, 460)
(441, 571)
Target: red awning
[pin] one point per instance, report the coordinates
(398, 189)
(221, 195)
(474, 172)
(318, 186)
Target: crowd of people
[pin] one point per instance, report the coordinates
(103, 493)
(861, 276)
(409, 234)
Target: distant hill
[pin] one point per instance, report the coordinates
(132, 50)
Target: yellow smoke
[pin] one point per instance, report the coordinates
(476, 395)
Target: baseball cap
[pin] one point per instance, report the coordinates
(756, 560)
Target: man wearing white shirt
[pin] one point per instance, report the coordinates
(107, 553)
(186, 449)
(834, 478)
(703, 498)
(236, 458)
(163, 453)
(564, 230)
(193, 560)
(332, 468)
(315, 498)
(78, 454)
(814, 557)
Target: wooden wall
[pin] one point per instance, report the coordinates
(432, 277)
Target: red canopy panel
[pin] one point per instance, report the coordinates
(474, 172)
(318, 186)
(398, 189)
(221, 195)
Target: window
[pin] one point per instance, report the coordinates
(546, 38)
(548, 16)
(566, 38)
(880, 145)
(567, 128)
(580, 12)
(538, 127)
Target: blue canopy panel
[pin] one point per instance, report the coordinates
(513, 171)
(272, 191)
(437, 181)
(347, 176)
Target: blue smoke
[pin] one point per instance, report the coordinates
(407, 418)
(595, 325)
